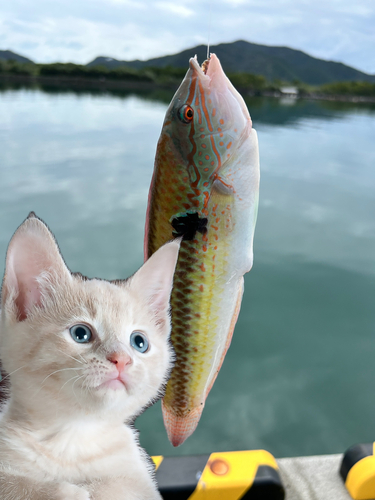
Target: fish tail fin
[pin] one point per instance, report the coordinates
(179, 428)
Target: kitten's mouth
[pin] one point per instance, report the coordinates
(114, 384)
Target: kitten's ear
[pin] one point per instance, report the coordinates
(32, 251)
(154, 280)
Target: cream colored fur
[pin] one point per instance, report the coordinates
(62, 437)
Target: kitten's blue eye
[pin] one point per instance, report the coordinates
(139, 341)
(81, 333)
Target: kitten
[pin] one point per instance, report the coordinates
(84, 356)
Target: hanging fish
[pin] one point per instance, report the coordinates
(204, 188)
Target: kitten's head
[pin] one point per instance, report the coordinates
(75, 344)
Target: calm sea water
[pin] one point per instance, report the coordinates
(299, 376)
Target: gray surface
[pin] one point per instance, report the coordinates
(313, 478)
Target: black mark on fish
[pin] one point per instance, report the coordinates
(188, 224)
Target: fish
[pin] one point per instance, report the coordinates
(205, 190)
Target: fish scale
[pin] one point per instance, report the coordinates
(205, 189)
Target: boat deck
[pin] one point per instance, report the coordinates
(313, 478)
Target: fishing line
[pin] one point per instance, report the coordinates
(209, 28)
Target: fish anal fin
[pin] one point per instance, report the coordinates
(230, 333)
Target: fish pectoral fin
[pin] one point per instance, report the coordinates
(222, 186)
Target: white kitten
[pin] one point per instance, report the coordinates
(84, 356)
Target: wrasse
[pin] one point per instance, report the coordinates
(204, 188)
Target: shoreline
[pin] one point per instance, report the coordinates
(316, 96)
(84, 83)
(105, 84)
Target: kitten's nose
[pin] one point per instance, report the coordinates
(120, 360)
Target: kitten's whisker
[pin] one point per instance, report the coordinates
(57, 371)
(75, 359)
(76, 376)
(11, 373)
(83, 359)
(73, 388)
(86, 386)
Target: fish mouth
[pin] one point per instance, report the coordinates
(212, 77)
(210, 70)
(205, 65)
(200, 70)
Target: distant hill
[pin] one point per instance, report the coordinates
(275, 63)
(7, 55)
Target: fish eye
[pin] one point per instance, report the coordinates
(186, 113)
(80, 333)
(139, 342)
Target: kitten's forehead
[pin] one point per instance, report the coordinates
(113, 306)
(100, 293)
(103, 299)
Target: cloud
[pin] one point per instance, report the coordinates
(79, 30)
(236, 2)
(129, 3)
(173, 8)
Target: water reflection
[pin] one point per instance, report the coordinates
(298, 376)
(272, 111)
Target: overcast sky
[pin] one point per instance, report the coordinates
(80, 30)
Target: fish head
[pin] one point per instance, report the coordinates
(206, 120)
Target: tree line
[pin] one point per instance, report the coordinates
(170, 75)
